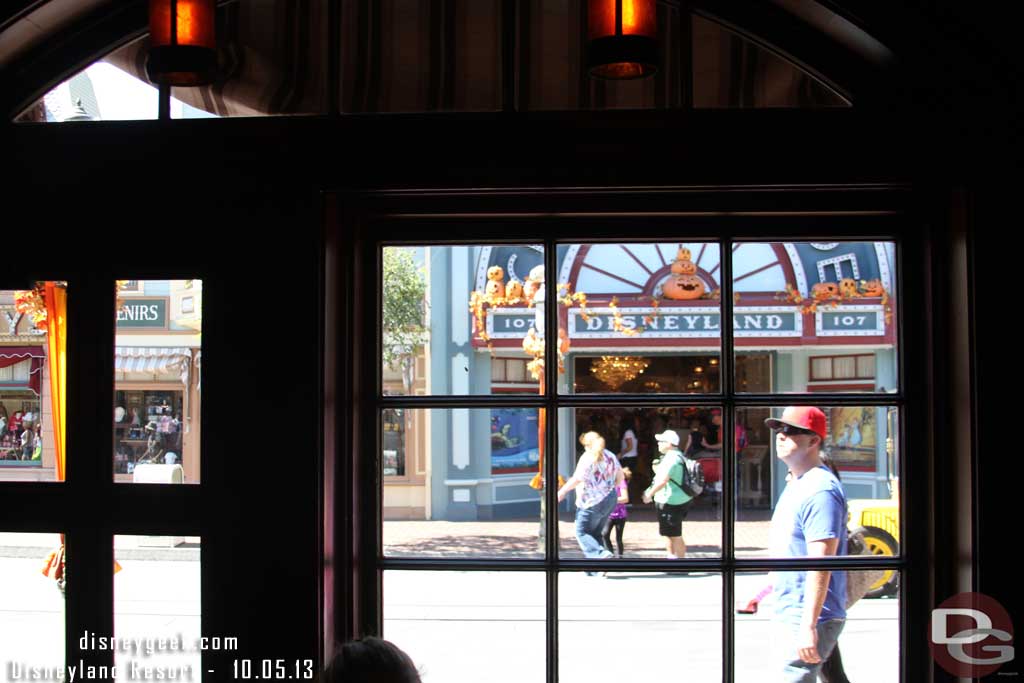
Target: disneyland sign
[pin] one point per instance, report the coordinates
(599, 323)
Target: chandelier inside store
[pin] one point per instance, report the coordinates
(617, 370)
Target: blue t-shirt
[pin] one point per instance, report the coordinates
(811, 508)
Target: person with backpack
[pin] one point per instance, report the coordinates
(673, 491)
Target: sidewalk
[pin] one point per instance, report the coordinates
(518, 538)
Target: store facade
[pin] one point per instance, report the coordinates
(808, 317)
(156, 389)
(24, 396)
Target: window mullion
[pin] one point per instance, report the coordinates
(551, 457)
(728, 465)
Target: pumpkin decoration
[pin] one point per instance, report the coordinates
(848, 288)
(872, 288)
(495, 273)
(513, 291)
(495, 291)
(825, 290)
(683, 284)
(563, 341)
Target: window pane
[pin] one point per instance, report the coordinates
(32, 628)
(413, 55)
(731, 71)
(553, 71)
(434, 615)
(692, 525)
(804, 306)
(157, 389)
(457, 483)
(157, 597)
(643, 622)
(861, 442)
(33, 334)
(642, 318)
(869, 643)
(107, 90)
(445, 322)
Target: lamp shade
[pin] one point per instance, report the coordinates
(622, 38)
(183, 47)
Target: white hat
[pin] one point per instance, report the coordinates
(669, 436)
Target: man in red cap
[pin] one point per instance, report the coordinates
(809, 521)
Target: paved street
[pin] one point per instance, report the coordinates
(464, 627)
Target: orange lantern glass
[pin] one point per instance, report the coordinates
(183, 47)
(622, 37)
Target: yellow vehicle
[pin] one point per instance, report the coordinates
(878, 521)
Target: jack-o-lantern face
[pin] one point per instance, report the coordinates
(848, 288)
(514, 290)
(684, 287)
(495, 273)
(684, 268)
(825, 290)
(684, 254)
(872, 288)
(495, 290)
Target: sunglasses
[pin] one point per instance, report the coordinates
(790, 430)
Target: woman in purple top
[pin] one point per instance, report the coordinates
(617, 520)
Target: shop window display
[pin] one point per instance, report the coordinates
(147, 428)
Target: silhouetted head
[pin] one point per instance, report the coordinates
(370, 660)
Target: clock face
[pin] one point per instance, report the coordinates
(824, 246)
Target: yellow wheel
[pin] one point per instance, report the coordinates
(881, 543)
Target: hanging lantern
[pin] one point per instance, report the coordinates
(622, 38)
(183, 49)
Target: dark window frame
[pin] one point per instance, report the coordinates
(373, 220)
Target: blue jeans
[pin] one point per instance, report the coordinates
(590, 525)
(794, 669)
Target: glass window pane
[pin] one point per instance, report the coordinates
(32, 628)
(868, 644)
(33, 371)
(552, 65)
(640, 318)
(157, 598)
(731, 71)
(157, 389)
(107, 90)
(458, 483)
(862, 444)
(413, 55)
(673, 523)
(803, 306)
(643, 621)
(432, 616)
(445, 322)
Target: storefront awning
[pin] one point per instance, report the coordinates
(12, 355)
(154, 359)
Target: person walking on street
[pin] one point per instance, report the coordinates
(671, 502)
(809, 521)
(617, 520)
(595, 480)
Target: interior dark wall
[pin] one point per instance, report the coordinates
(239, 204)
